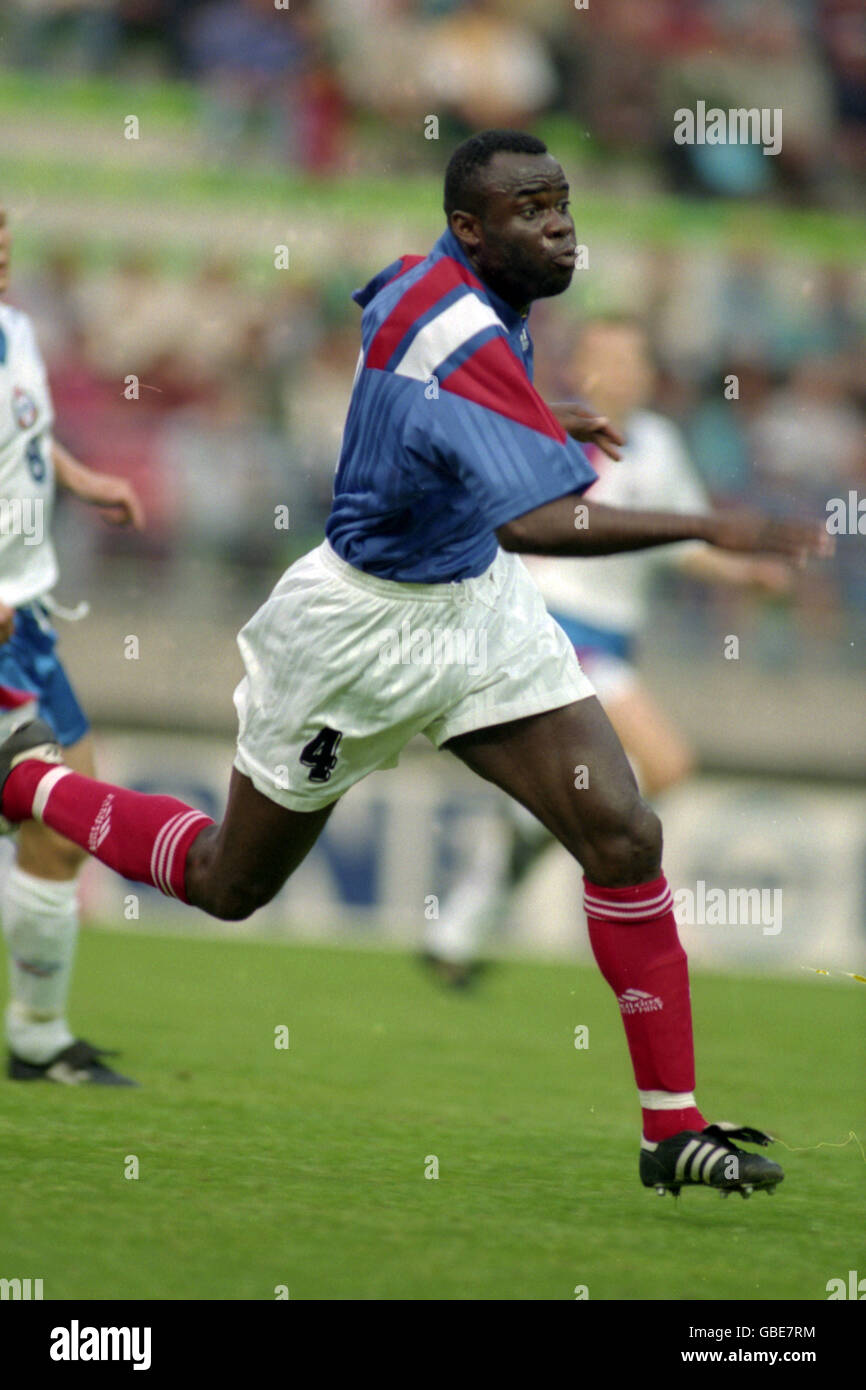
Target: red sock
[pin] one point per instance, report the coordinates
(634, 938)
(145, 838)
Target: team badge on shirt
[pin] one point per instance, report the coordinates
(24, 408)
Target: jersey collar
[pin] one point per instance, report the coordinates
(449, 245)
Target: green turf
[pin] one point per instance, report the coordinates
(262, 1167)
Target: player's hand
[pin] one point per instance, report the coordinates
(588, 428)
(752, 533)
(116, 499)
(5, 250)
(7, 622)
(773, 577)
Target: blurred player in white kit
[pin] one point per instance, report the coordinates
(602, 604)
(39, 893)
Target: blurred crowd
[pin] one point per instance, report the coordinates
(223, 397)
(224, 400)
(328, 85)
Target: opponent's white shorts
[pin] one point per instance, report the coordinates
(612, 676)
(343, 669)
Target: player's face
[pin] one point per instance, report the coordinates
(524, 243)
(5, 248)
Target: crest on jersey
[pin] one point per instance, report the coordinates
(24, 408)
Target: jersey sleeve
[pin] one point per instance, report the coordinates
(483, 423)
(508, 469)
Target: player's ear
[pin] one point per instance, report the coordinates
(466, 226)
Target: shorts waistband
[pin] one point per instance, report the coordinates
(455, 591)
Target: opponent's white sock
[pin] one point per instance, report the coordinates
(40, 923)
(480, 895)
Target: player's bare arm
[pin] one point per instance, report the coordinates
(768, 575)
(116, 498)
(568, 526)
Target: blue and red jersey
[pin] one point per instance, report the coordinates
(446, 438)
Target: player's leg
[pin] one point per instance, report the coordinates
(41, 850)
(39, 893)
(239, 865)
(568, 767)
(319, 708)
(663, 759)
(452, 939)
(39, 910)
(228, 870)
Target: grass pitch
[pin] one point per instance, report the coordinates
(305, 1167)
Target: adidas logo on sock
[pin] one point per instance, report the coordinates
(101, 826)
(637, 1001)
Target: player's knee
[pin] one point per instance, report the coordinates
(47, 855)
(68, 859)
(234, 901)
(628, 848)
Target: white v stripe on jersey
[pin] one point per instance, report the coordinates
(358, 368)
(444, 334)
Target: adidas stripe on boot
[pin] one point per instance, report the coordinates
(709, 1157)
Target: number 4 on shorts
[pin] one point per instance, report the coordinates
(320, 754)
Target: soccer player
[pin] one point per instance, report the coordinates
(602, 606)
(39, 894)
(451, 466)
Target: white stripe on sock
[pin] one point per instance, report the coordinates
(44, 789)
(163, 848)
(650, 907)
(666, 1100)
(623, 905)
(171, 851)
(155, 853)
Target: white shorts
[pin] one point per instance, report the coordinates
(343, 669)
